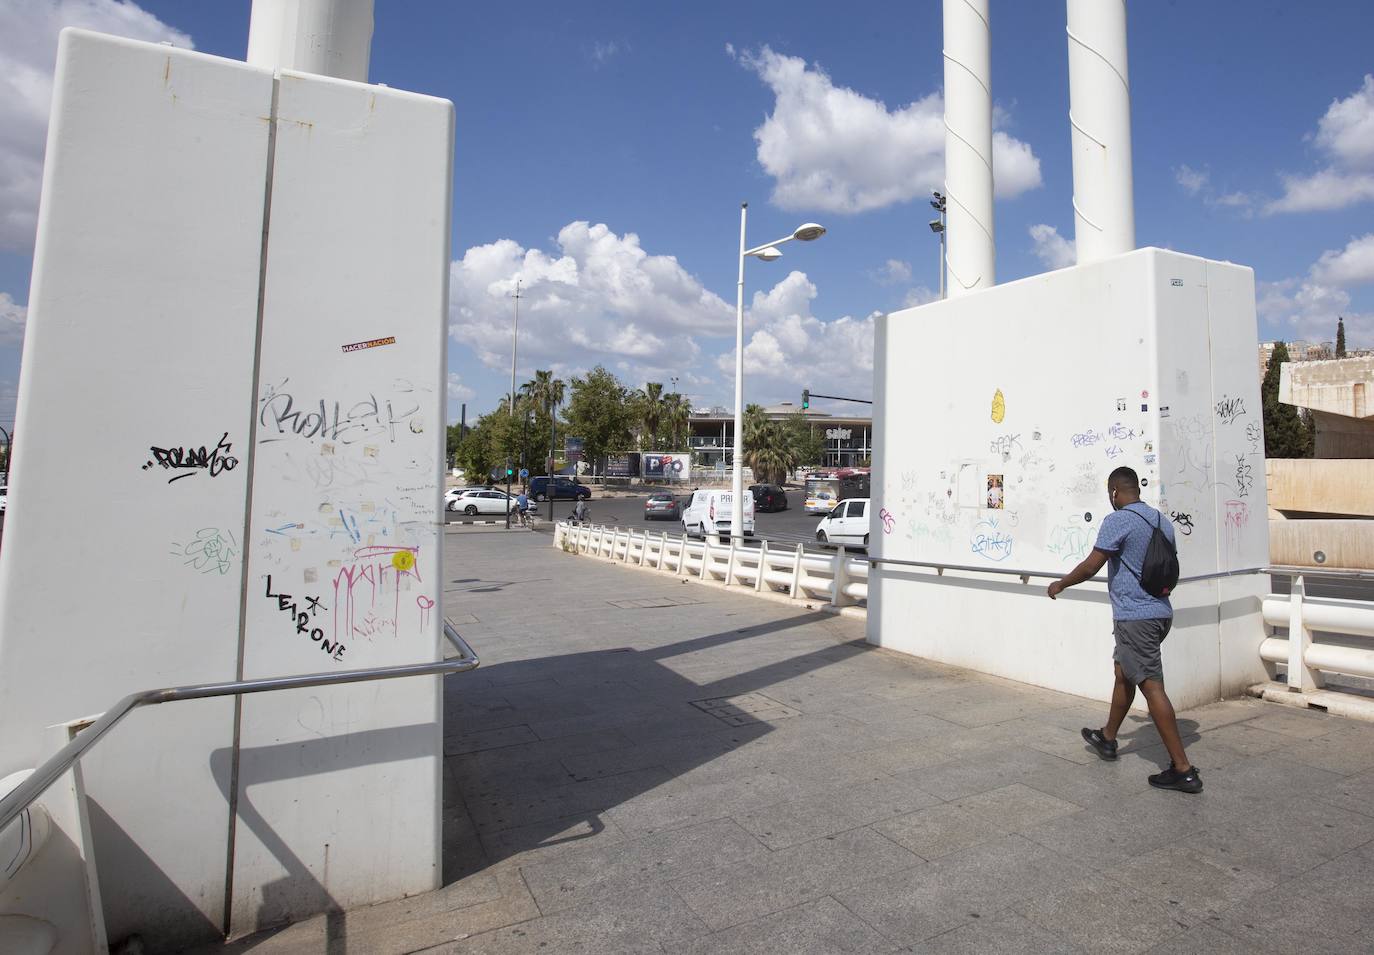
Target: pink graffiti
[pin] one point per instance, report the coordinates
(370, 566)
(888, 520)
(425, 604)
(1234, 522)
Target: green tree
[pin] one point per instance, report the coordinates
(769, 446)
(475, 455)
(677, 421)
(807, 442)
(542, 394)
(1286, 434)
(647, 409)
(1340, 336)
(599, 414)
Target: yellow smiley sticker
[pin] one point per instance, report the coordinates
(403, 560)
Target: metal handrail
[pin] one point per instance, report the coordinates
(1048, 574)
(45, 775)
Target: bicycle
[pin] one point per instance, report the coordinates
(526, 519)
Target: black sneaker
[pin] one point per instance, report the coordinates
(1106, 748)
(1189, 782)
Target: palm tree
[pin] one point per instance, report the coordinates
(544, 390)
(768, 448)
(677, 415)
(649, 407)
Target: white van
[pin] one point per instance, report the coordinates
(708, 512)
(846, 525)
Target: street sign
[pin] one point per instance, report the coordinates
(524, 473)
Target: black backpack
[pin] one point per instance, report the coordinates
(1159, 573)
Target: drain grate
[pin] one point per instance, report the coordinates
(648, 603)
(746, 709)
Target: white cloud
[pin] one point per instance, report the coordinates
(457, 391)
(893, 272)
(919, 295)
(1345, 134)
(600, 298)
(831, 148)
(1052, 248)
(1309, 306)
(12, 319)
(1192, 180)
(1353, 265)
(789, 347)
(28, 52)
(603, 51)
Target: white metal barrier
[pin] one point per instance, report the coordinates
(841, 579)
(1302, 615)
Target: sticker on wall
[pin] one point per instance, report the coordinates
(1035, 435)
(1149, 459)
(1121, 404)
(1144, 482)
(374, 343)
(999, 406)
(995, 499)
(1144, 407)
(1144, 395)
(1087, 517)
(1164, 411)
(1149, 446)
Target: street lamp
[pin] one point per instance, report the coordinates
(768, 252)
(938, 227)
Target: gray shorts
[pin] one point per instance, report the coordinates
(1137, 648)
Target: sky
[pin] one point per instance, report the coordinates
(603, 150)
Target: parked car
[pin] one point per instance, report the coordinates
(846, 524)
(768, 497)
(453, 493)
(560, 489)
(483, 501)
(708, 512)
(661, 504)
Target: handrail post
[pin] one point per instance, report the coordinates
(763, 565)
(662, 548)
(839, 579)
(1301, 677)
(796, 588)
(682, 555)
(730, 563)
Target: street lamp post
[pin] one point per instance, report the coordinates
(938, 227)
(768, 252)
(514, 344)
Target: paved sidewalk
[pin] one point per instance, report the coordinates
(645, 765)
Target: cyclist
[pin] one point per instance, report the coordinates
(522, 503)
(580, 511)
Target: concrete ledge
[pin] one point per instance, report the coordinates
(1331, 701)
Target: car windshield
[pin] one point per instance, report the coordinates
(660, 497)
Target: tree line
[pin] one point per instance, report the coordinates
(613, 419)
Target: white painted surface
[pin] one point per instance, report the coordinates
(1051, 412)
(1100, 119)
(326, 37)
(143, 334)
(339, 788)
(140, 335)
(971, 255)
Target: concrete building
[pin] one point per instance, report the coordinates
(1339, 394)
(848, 438)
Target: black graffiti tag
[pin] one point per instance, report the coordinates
(189, 460)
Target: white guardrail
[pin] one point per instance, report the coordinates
(841, 579)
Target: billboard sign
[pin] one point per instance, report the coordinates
(667, 467)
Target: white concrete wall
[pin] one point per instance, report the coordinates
(142, 346)
(339, 794)
(1134, 360)
(141, 336)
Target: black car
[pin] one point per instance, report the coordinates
(561, 489)
(768, 497)
(662, 504)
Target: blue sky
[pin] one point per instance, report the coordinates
(603, 150)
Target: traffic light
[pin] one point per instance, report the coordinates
(510, 472)
(806, 398)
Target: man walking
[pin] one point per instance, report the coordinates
(1140, 622)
